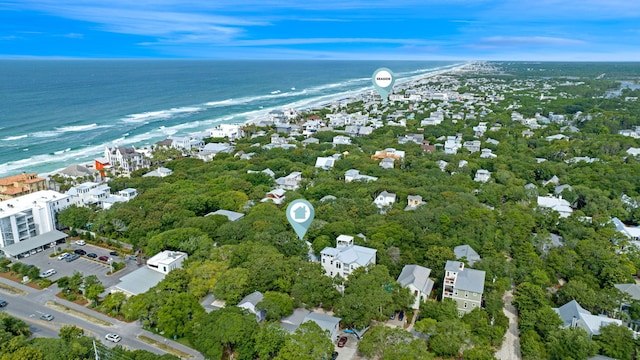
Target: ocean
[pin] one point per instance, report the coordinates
(54, 113)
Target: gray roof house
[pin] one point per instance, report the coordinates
(416, 278)
(250, 302)
(231, 215)
(573, 315)
(463, 285)
(467, 252)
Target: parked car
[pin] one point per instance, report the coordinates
(113, 253)
(92, 255)
(113, 337)
(401, 316)
(393, 315)
(63, 256)
(342, 341)
(133, 257)
(80, 242)
(3, 303)
(80, 252)
(103, 258)
(71, 257)
(47, 317)
(47, 273)
(334, 356)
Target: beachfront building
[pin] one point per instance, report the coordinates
(125, 159)
(21, 184)
(232, 132)
(28, 223)
(144, 278)
(346, 257)
(463, 285)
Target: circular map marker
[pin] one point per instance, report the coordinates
(383, 80)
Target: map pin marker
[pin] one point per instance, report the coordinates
(300, 214)
(383, 82)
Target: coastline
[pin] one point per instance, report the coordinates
(84, 155)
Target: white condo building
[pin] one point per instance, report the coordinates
(346, 257)
(28, 222)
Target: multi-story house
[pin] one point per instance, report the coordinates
(126, 159)
(290, 182)
(346, 257)
(464, 286)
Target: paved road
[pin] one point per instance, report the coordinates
(30, 307)
(510, 349)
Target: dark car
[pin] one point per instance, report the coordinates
(334, 356)
(3, 303)
(113, 253)
(92, 255)
(103, 258)
(401, 316)
(342, 341)
(71, 257)
(80, 252)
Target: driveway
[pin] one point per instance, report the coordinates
(349, 350)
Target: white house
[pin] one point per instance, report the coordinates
(385, 199)
(210, 150)
(472, 146)
(126, 159)
(232, 132)
(482, 176)
(28, 222)
(573, 315)
(416, 279)
(290, 182)
(325, 163)
(159, 172)
(144, 278)
(346, 257)
(89, 193)
(354, 175)
(387, 163)
(341, 140)
(558, 204)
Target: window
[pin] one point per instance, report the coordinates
(474, 305)
(465, 304)
(415, 293)
(455, 292)
(466, 294)
(324, 260)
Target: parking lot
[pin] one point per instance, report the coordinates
(83, 264)
(350, 348)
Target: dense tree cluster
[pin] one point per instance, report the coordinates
(500, 219)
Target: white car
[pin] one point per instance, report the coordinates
(80, 242)
(47, 273)
(113, 337)
(63, 256)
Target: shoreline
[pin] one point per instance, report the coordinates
(251, 117)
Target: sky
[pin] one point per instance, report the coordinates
(540, 30)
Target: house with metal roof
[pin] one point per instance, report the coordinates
(346, 257)
(573, 315)
(416, 279)
(467, 252)
(463, 285)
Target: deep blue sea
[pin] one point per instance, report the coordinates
(59, 112)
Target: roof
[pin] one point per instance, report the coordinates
(36, 241)
(572, 314)
(139, 281)
(231, 215)
(254, 298)
(467, 279)
(418, 276)
(326, 322)
(9, 180)
(632, 289)
(76, 170)
(466, 251)
(352, 254)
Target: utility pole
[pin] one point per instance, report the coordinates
(95, 350)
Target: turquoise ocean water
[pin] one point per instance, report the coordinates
(59, 112)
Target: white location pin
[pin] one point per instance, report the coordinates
(383, 80)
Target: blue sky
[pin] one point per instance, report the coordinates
(586, 30)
